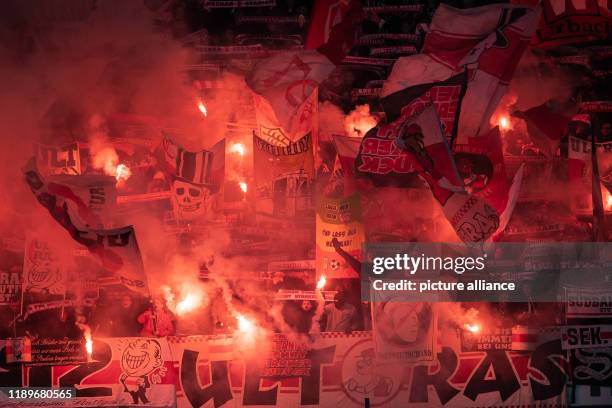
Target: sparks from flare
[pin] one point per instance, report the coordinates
(238, 148)
(504, 123)
(88, 341)
(245, 325)
(189, 303)
(321, 283)
(243, 186)
(202, 108)
(122, 172)
(472, 328)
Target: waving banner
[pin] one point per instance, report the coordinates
(336, 370)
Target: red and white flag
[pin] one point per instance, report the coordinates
(325, 16)
(546, 126)
(116, 250)
(488, 41)
(472, 218)
(80, 201)
(284, 85)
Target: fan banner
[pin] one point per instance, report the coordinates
(59, 159)
(336, 370)
(283, 177)
(573, 22)
(338, 219)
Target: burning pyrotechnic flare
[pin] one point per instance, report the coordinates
(190, 302)
(88, 344)
(359, 121)
(473, 327)
(202, 108)
(245, 325)
(607, 199)
(238, 148)
(504, 123)
(107, 159)
(122, 172)
(321, 283)
(243, 186)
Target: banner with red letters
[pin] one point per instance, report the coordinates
(335, 370)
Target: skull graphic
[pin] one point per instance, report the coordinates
(189, 200)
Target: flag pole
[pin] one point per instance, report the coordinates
(598, 210)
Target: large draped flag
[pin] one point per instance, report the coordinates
(284, 84)
(486, 41)
(116, 250)
(421, 137)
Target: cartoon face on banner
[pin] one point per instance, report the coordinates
(403, 324)
(363, 377)
(141, 363)
(42, 270)
(190, 200)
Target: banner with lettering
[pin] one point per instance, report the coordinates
(338, 219)
(43, 270)
(583, 337)
(591, 304)
(11, 268)
(330, 370)
(573, 22)
(59, 159)
(283, 177)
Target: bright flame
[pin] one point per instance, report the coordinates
(504, 123)
(238, 148)
(107, 159)
(321, 283)
(359, 121)
(472, 328)
(243, 186)
(88, 340)
(202, 108)
(190, 302)
(608, 200)
(122, 172)
(245, 325)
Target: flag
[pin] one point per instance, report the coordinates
(386, 164)
(75, 201)
(546, 126)
(325, 16)
(347, 149)
(284, 85)
(489, 42)
(193, 167)
(421, 137)
(481, 167)
(18, 350)
(566, 22)
(408, 89)
(116, 250)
